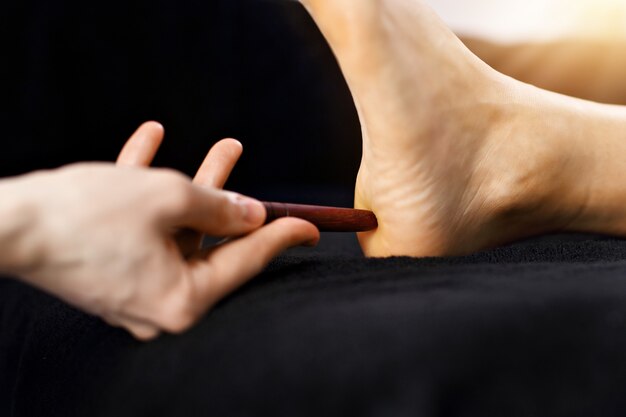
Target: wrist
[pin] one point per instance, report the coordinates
(18, 214)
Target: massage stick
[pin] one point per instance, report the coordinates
(327, 219)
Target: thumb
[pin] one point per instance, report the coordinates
(231, 265)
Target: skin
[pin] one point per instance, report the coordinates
(458, 157)
(122, 242)
(588, 69)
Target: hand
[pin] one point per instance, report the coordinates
(107, 236)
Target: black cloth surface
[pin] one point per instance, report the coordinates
(533, 329)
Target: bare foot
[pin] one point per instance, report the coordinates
(456, 156)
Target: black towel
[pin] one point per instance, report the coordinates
(533, 329)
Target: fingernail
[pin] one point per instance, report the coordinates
(253, 210)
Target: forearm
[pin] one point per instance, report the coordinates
(17, 223)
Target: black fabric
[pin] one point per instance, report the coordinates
(533, 329)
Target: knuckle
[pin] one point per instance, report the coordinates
(229, 209)
(182, 197)
(172, 174)
(177, 323)
(179, 194)
(227, 212)
(142, 334)
(172, 179)
(176, 315)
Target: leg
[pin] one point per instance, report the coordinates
(456, 156)
(593, 70)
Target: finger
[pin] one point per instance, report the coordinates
(234, 263)
(142, 146)
(219, 163)
(214, 212)
(214, 171)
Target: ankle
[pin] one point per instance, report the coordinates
(537, 154)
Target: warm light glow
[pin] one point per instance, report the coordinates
(511, 20)
(603, 18)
